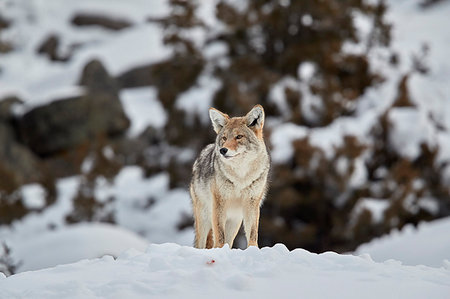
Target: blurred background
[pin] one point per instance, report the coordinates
(104, 108)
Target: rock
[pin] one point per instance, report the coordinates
(5, 107)
(50, 48)
(5, 47)
(171, 77)
(102, 21)
(18, 165)
(17, 161)
(67, 123)
(4, 23)
(137, 77)
(96, 79)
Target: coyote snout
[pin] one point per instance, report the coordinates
(229, 180)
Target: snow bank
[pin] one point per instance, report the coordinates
(74, 243)
(173, 271)
(429, 245)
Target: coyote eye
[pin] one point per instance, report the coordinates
(224, 138)
(239, 136)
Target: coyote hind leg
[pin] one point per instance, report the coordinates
(202, 222)
(231, 230)
(203, 232)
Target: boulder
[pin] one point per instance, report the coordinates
(67, 123)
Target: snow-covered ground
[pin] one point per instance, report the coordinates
(173, 271)
(428, 245)
(408, 264)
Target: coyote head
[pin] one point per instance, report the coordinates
(238, 136)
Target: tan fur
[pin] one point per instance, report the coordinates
(210, 240)
(227, 190)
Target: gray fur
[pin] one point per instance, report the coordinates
(204, 165)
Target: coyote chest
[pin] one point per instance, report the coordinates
(243, 181)
(229, 180)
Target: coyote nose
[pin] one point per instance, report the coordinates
(223, 150)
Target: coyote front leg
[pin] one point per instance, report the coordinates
(218, 221)
(251, 222)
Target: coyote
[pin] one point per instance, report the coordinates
(229, 180)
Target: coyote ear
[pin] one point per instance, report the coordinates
(255, 118)
(218, 119)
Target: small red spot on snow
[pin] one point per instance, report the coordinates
(210, 262)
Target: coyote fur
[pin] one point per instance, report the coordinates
(229, 180)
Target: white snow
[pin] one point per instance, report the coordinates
(33, 196)
(277, 95)
(282, 137)
(429, 204)
(306, 70)
(142, 45)
(147, 206)
(215, 50)
(143, 108)
(34, 20)
(173, 271)
(325, 138)
(307, 20)
(74, 243)
(359, 174)
(429, 245)
(375, 206)
(35, 223)
(198, 99)
(409, 130)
